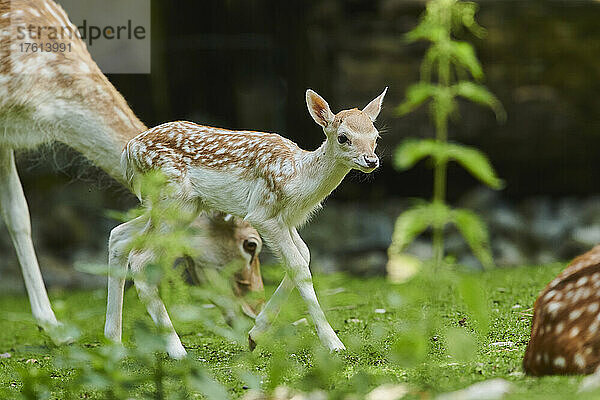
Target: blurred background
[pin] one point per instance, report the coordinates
(246, 65)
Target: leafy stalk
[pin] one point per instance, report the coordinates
(445, 69)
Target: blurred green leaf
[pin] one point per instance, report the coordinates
(475, 162)
(200, 381)
(412, 151)
(463, 53)
(472, 293)
(416, 95)
(409, 348)
(461, 345)
(464, 14)
(415, 221)
(475, 233)
(479, 94)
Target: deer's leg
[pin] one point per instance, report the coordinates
(270, 310)
(147, 291)
(303, 281)
(15, 213)
(302, 247)
(118, 246)
(148, 294)
(283, 241)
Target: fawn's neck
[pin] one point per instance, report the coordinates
(321, 172)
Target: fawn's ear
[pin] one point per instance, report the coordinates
(318, 108)
(374, 107)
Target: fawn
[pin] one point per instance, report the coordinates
(64, 97)
(261, 177)
(566, 322)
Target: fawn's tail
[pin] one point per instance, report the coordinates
(131, 168)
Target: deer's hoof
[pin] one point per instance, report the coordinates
(337, 347)
(59, 333)
(251, 343)
(175, 348)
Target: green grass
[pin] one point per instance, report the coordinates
(350, 304)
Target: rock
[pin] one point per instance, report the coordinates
(502, 344)
(487, 390)
(587, 235)
(401, 267)
(508, 253)
(590, 383)
(387, 392)
(301, 321)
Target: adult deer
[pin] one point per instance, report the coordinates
(264, 178)
(64, 97)
(565, 333)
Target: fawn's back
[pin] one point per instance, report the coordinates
(223, 168)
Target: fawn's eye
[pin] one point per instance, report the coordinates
(343, 139)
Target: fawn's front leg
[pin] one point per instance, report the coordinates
(281, 239)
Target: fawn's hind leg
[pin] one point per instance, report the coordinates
(148, 291)
(118, 249)
(148, 294)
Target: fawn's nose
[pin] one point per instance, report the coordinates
(250, 246)
(371, 161)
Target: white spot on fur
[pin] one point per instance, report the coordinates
(575, 313)
(553, 307)
(560, 362)
(549, 295)
(579, 360)
(574, 332)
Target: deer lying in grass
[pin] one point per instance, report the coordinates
(264, 178)
(565, 333)
(64, 97)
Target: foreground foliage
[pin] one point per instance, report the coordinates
(380, 322)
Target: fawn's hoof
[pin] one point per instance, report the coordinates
(338, 349)
(177, 354)
(251, 343)
(175, 348)
(336, 346)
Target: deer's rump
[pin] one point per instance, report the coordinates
(565, 332)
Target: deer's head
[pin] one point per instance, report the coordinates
(351, 133)
(226, 240)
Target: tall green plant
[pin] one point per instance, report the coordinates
(446, 73)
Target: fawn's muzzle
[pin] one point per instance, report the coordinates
(371, 161)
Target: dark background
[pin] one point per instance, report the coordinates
(246, 64)
(242, 64)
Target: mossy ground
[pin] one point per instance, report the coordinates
(351, 303)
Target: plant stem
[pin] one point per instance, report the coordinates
(441, 135)
(158, 379)
(439, 196)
